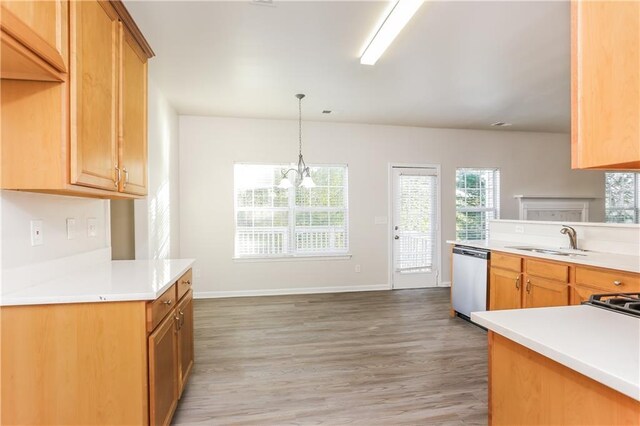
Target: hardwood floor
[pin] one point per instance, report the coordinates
(370, 358)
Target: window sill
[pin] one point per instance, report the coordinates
(300, 258)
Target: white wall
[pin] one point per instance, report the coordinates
(530, 163)
(19, 208)
(157, 217)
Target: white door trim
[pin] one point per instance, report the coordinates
(390, 232)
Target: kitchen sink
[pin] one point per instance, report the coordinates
(546, 251)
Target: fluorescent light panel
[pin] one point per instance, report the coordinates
(393, 21)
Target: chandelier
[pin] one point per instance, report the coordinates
(302, 172)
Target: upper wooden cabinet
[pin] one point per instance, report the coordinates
(132, 133)
(85, 135)
(95, 43)
(34, 40)
(605, 84)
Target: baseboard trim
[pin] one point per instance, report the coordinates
(288, 291)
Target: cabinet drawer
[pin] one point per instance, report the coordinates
(607, 279)
(552, 271)
(506, 261)
(184, 284)
(160, 307)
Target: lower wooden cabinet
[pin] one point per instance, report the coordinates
(185, 352)
(527, 282)
(163, 371)
(504, 289)
(96, 363)
(542, 292)
(170, 352)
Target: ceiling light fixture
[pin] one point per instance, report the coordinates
(302, 172)
(393, 21)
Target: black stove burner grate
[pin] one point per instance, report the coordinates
(628, 303)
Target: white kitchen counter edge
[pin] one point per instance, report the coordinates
(29, 295)
(620, 262)
(617, 383)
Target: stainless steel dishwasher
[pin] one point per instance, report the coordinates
(470, 278)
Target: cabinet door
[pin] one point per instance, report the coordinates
(94, 83)
(504, 289)
(40, 26)
(541, 292)
(185, 339)
(163, 371)
(605, 84)
(133, 116)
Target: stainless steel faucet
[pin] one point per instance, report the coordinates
(573, 237)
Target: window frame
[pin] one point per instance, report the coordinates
(292, 209)
(636, 197)
(496, 196)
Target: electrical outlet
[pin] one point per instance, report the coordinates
(197, 272)
(37, 238)
(519, 229)
(92, 227)
(358, 269)
(71, 228)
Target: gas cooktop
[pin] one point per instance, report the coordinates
(626, 303)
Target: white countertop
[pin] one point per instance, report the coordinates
(119, 280)
(621, 262)
(597, 343)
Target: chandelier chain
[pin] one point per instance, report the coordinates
(300, 126)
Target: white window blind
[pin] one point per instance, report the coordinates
(477, 202)
(622, 197)
(417, 222)
(272, 222)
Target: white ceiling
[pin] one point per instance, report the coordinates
(455, 65)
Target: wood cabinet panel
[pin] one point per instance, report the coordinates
(94, 82)
(528, 388)
(552, 271)
(504, 289)
(163, 372)
(542, 292)
(184, 283)
(133, 116)
(40, 27)
(506, 261)
(184, 311)
(159, 308)
(79, 363)
(605, 84)
(608, 280)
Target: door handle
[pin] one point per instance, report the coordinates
(396, 237)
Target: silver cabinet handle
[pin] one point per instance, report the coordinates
(518, 282)
(177, 320)
(167, 302)
(117, 181)
(188, 282)
(181, 319)
(617, 283)
(126, 177)
(528, 286)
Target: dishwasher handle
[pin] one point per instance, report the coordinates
(468, 251)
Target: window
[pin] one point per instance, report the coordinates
(274, 222)
(622, 197)
(477, 202)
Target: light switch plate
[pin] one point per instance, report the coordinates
(37, 239)
(92, 227)
(380, 220)
(71, 228)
